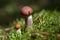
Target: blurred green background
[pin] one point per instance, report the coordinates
(10, 9)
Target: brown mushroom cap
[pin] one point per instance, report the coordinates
(26, 10)
(17, 26)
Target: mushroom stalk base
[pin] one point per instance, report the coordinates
(19, 31)
(29, 22)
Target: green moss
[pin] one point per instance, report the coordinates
(50, 24)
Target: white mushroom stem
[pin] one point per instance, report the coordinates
(29, 22)
(19, 31)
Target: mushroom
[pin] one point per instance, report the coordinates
(27, 11)
(18, 27)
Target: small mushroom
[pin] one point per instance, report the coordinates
(27, 11)
(18, 27)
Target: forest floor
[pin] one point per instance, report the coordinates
(46, 26)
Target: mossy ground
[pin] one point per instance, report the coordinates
(43, 21)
